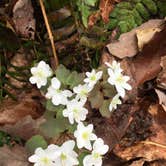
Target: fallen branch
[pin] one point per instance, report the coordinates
(49, 32)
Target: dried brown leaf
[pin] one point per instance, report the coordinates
(23, 18)
(126, 46)
(15, 156)
(162, 98)
(154, 147)
(105, 8)
(25, 128)
(145, 35)
(93, 18)
(28, 104)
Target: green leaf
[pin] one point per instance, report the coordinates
(74, 79)
(54, 126)
(104, 109)
(72, 128)
(62, 73)
(90, 2)
(51, 107)
(35, 142)
(108, 90)
(81, 157)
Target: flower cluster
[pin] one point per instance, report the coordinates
(117, 79)
(54, 155)
(73, 102)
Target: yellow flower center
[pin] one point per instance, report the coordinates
(45, 160)
(93, 78)
(40, 73)
(84, 92)
(96, 155)
(63, 156)
(85, 135)
(58, 90)
(119, 79)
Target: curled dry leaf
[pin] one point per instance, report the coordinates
(146, 65)
(154, 147)
(145, 35)
(127, 46)
(27, 104)
(162, 98)
(15, 156)
(23, 18)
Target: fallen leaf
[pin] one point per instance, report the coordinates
(105, 8)
(23, 19)
(145, 35)
(15, 156)
(93, 18)
(18, 129)
(28, 104)
(162, 98)
(126, 46)
(154, 147)
(146, 65)
(113, 129)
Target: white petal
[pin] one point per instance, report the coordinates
(127, 86)
(33, 159)
(110, 107)
(55, 83)
(32, 80)
(68, 145)
(93, 137)
(87, 160)
(88, 145)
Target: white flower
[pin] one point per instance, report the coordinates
(40, 73)
(82, 92)
(115, 101)
(120, 82)
(66, 155)
(44, 157)
(115, 66)
(58, 96)
(93, 77)
(75, 111)
(84, 136)
(95, 158)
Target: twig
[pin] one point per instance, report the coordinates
(49, 32)
(154, 143)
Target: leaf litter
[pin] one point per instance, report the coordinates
(135, 132)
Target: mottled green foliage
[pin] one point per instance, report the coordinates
(4, 139)
(81, 157)
(104, 109)
(85, 9)
(128, 15)
(67, 77)
(102, 94)
(54, 126)
(35, 142)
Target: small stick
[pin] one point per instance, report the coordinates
(153, 143)
(49, 32)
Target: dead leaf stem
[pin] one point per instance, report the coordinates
(154, 143)
(49, 32)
